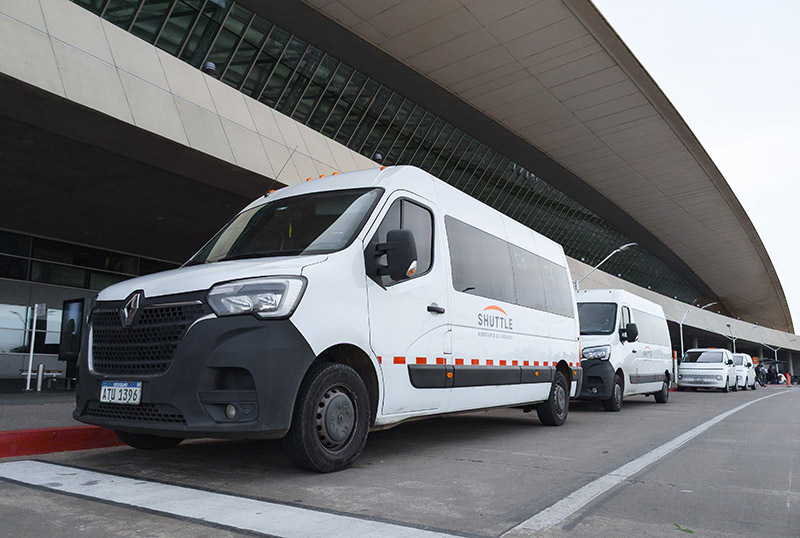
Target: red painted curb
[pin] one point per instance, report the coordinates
(16, 443)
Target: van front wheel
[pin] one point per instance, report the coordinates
(330, 421)
(553, 412)
(614, 403)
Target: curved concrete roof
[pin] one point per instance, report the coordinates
(556, 75)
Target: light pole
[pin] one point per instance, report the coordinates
(617, 251)
(686, 315)
(733, 338)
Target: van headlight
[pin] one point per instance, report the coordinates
(597, 352)
(275, 297)
(719, 378)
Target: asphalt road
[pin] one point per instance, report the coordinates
(484, 474)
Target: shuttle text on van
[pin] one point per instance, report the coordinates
(495, 321)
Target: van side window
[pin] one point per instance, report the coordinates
(480, 262)
(404, 214)
(485, 265)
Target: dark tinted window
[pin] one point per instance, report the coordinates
(528, 277)
(557, 291)
(480, 262)
(404, 214)
(597, 318)
(11, 243)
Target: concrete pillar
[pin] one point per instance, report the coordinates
(695, 344)
(760, 354)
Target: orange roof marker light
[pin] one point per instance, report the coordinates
(333, 174)
(323, 175)
(383, 168)
(309, 179)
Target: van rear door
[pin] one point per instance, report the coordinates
(409, 318)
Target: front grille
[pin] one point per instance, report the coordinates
(147, 347)
(153, 413)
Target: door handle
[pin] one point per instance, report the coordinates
(633, 351)
(435, 308)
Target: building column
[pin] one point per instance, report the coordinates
(695, 344)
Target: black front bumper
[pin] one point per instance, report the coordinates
(598, 379)
(255, 365)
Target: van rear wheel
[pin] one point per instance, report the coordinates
(145, 441)
(614, 403)
(330, 420)
(662, 396)
(553, 412)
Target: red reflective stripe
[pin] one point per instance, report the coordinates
(379, 360)
(422, 360)
(399, 360)
(440, 360)
(475, 361)
(536, 363)
(490, 362)
(460, 361)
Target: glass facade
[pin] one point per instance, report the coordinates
(35, 259)
(302, 81)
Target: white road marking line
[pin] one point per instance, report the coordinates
(229, 510)
(573, 502)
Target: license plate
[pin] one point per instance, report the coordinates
(121, 392)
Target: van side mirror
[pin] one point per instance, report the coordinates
(401, 254)
(749, 365)
(630, 333)
(730, 362)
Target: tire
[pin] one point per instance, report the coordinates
(662, 396)
(145, 441)
(727, 387)
(553, 412)
(331, 418)
(736, 386)
(614, 403)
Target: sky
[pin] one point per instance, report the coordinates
(731, 69)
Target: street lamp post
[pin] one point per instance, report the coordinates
(617, 251)
(686, 315)
(731, 337)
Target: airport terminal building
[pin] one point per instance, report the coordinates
(133, 129)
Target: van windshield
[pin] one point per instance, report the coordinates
(702, 356)
(317, 223)
(597, 318)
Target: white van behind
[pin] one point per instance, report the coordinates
(707, 368)
(333, 307)
(626, 348)
(745, 371)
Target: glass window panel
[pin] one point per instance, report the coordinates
(257, 31)
(393, 132)
(370, 118)
(11, 243)
(14, 268)
(322, 76)
(98, 281)
(329, 98)
(357, 111)
(150, 19)
(147, 266)
(222, 50)
(406, 131)
(60, 275)
(203, 34)
(177, 27)
(420, 221)
(348, 96)
(46, 249)
(300, 80)
(487, 275)
(282, 72)
(95, 6)
(239, 64)
(120, 12)
(237, 20)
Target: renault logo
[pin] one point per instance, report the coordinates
(128, 312)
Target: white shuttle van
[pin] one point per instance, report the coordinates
(745, 371)
(333, 307)
(626, 349)
(707, 368)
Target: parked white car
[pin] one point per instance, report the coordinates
(707, 368)
(745, 371)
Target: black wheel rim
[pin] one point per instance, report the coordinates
(336, 418)
(560, 400)
(617, 393)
